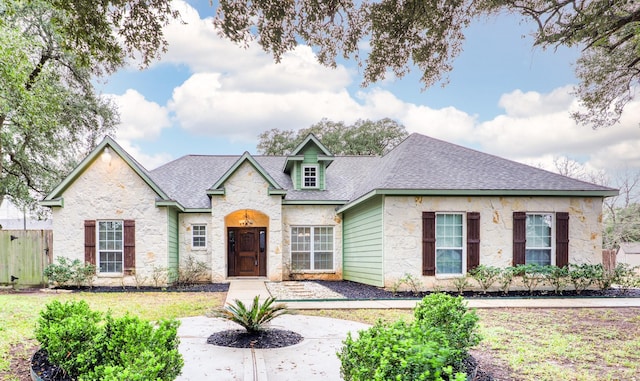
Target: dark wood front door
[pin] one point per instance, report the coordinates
(247, 251)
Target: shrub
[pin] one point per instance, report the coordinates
(532, 275)
(581, 276)
(252, 319)
(461, 284)
(89, 346)
(67, 271)
(626, 277)
(558, 277)
(412, 283)
(400, 351)
(602, 277)
(486, 276)
(192, 271)
(67, 333)
(505, 278)
(451, 316)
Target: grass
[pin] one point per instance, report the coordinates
(19, 313)
(519, 344)
(546, 344)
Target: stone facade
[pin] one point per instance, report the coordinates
(112, 191)
(311, 215)
(403, 230)
(246, 190)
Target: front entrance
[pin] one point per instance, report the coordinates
(247, 251)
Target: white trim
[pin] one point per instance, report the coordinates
(552, 258)
(463, 218)
(312, 249)
(303, 178)
(98, 251)
(206, 241)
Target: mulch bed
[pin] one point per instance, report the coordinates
(268, 338)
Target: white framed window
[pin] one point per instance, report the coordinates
(539, 241)
(199, 236)
(312, 248)
(309, 176)
(450, 248)
(110, 246)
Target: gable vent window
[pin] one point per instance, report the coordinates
(310, 176)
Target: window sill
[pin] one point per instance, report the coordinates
(313, 272)
(449, 276)
(199, 248)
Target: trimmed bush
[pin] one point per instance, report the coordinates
(486, 276)
(88, 345)
(432, 347)
(67, 271)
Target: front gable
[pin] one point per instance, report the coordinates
(273, 188)
(307, 164)
(105, 151)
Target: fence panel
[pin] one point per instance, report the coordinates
(24, 255)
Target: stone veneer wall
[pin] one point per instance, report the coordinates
(312, 215)
(186, 250)
(403, 229)
(246, 189)
(112, 191)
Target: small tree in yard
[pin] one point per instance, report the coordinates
(252, 319)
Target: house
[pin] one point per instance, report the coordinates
(629, 253)
(428, 208)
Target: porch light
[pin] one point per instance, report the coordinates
(246, 221)
(106, 156)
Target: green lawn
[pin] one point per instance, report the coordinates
(19, 313)
(519, 344)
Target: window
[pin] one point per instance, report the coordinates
(198, 236)
(110, 246)
(309, 176)
(449, 243)
(538, 249)
(312, 248)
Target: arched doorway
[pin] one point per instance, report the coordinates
(247, 243)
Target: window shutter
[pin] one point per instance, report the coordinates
(562, 239)
(473, 240)
(519, 237)
(129, 247)
(428, 243)
(90, 241)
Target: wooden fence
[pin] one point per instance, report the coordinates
(609, 259)
(23, 255)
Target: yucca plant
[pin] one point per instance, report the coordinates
(253, 319)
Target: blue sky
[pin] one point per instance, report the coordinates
(505, 97)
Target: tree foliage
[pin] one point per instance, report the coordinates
(429, 34)
(50, 52)
(364, 137)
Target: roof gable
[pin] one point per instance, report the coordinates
(297, 155)
(54, 198)
(274, 187)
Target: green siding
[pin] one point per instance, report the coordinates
(173, 259)
(362, 243)
(310, 153)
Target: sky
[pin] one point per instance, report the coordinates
(504, 97)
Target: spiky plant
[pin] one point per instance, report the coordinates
(252, 319)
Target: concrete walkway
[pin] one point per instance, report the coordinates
(314, 359)
(246, 290)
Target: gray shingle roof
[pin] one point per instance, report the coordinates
(418, 163)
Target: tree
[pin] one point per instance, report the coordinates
(364, 137)
(50, 51)
(429, 34)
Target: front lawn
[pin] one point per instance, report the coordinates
(579, 344)
(19, 313)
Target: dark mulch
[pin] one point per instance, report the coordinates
(45, 370)
(353, 290)
(268, 338)
(202, 287)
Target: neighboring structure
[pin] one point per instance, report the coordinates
(428, 208)
(629, 253)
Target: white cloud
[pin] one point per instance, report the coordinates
(147, 161)
(139, 118)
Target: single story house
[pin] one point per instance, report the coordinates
(629, 253)
(428, 208)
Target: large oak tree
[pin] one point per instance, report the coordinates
(429, 34)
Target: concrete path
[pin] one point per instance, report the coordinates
(245, 290)
(313, 359)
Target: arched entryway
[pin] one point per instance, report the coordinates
(247, 243)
